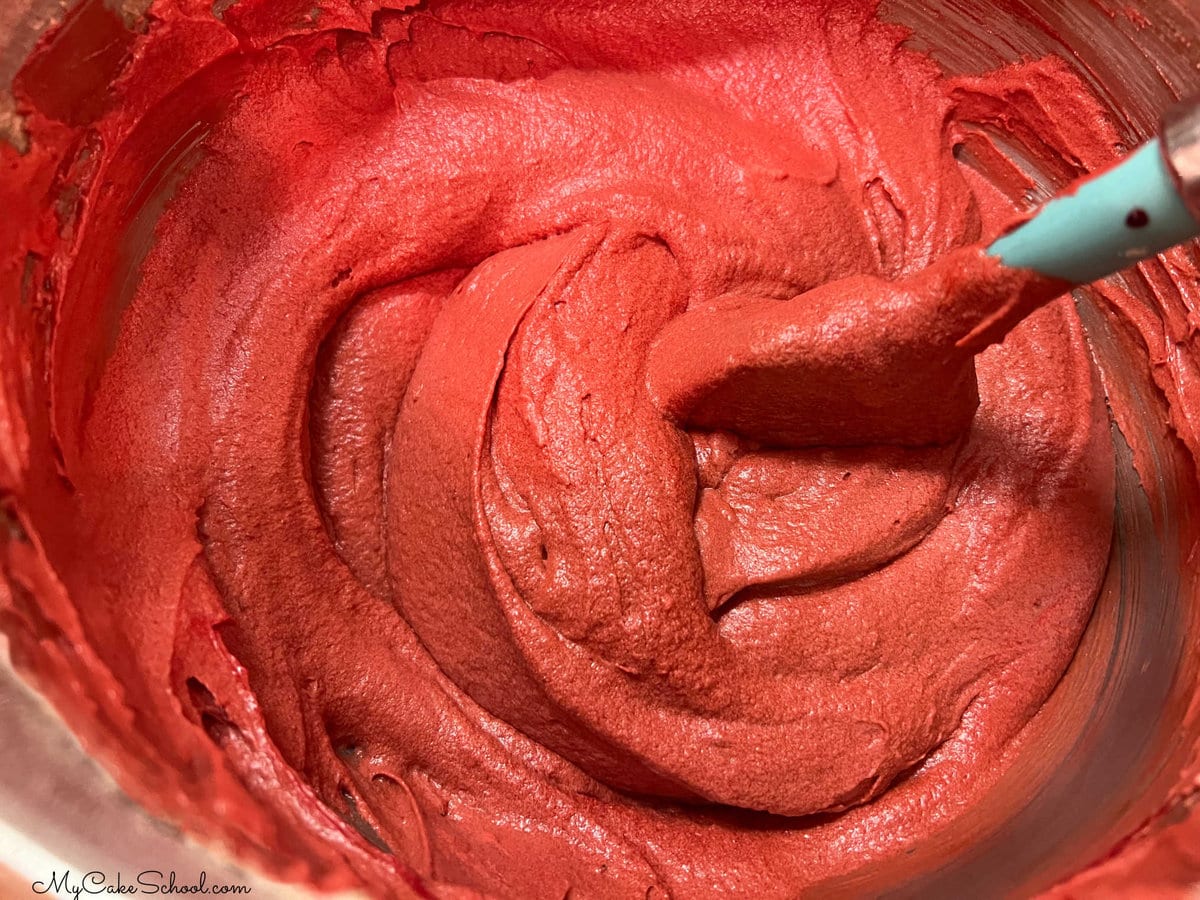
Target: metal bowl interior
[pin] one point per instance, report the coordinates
(1101, 756)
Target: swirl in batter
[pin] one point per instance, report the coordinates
(479, 447)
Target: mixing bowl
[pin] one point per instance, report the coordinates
(1104, 757)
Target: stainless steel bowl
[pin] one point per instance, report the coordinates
(1105, 752)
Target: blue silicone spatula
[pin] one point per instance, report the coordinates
(1147, 203)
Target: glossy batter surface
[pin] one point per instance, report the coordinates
(477, 448)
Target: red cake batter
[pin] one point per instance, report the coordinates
(483, 447)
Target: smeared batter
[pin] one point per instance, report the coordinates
(474, 447)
